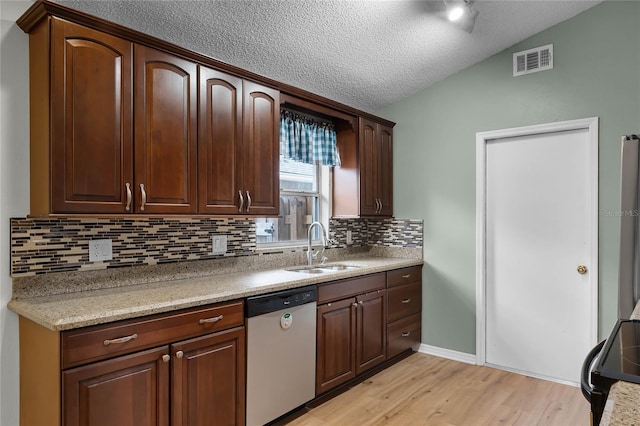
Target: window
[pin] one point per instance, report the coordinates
(304, 199)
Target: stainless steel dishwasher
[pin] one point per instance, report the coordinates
(281, 353)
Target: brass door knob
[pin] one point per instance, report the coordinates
(582, 269)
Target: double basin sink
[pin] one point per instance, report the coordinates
(321, 269)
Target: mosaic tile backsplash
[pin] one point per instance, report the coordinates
(41, 246)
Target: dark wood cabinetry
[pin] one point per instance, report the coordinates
(184, 368)
(363, 184)
(404, 309)
(351, 329)
(165, 145)
(376, 168)
(116, 127)
(238, 146)
(208, 380)
(130, 390)
(85, 162)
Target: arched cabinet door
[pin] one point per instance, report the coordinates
(261, 149)
(91, 120)
(219, 142)
(165, 133)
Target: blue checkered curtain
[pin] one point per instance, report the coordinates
(308, 141)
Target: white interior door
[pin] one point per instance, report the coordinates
(539, 227)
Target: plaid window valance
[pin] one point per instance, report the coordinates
(308, 141)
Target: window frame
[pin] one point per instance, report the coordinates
(323, 193)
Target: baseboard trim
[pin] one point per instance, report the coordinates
(448, 353)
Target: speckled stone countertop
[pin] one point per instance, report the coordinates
(623, 402)
(96, 306)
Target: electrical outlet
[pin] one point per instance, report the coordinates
(100, 250)
(218, 244)
(349, 237)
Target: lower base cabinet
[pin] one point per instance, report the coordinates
(125, 391)
(201, 379)
(351, 329)
(184, 368)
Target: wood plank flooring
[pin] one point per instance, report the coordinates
(427, 390)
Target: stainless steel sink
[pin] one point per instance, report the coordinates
(313, 270)
(320, 269)
(338, 267)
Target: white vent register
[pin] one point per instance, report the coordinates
(533, 60)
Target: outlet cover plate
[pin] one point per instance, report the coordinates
(218, 244)
(100, 250)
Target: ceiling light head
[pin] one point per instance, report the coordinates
(462, 12)
(455, 12)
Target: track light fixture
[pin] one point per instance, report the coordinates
(462, 12)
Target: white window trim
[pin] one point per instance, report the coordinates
(325, 189)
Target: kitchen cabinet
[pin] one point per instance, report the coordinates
(351, 329)
(238, 149)
(165, 147)
(404, 291)
(98, 140)
(363, 183)
(180, 368)
(81, 115)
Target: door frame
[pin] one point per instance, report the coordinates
(482, 139)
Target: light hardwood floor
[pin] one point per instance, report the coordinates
(427, 390)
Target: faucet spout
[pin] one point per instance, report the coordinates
(324, 236)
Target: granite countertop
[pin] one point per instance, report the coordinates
(623, 402)
(59, 312)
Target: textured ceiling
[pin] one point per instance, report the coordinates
(366, 54)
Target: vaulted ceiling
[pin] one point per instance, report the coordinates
(364, 53)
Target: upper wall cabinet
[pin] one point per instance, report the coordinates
(165, 146)
(84, 163)
(122, 122)
(237, 146)
(363, 184)
(101, 156)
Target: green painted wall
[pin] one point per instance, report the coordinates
(596, 73)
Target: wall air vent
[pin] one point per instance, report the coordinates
(533, 60)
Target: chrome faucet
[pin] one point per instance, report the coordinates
(325, 240)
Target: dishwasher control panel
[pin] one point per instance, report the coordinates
(258, 305)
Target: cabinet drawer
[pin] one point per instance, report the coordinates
(403, 334)
(404, 300)
(404, 276)
(351, 287)
(105, 341)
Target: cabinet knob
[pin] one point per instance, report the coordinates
(361, 302)
(355, 305)
(179, 354)
(165, 358)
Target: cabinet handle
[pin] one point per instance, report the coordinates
(144, 197)
(241, 201)
(377, 205)
(165, 358)
(381, 206)
(406, 300)
(179, 354)
(129, 196)
(120, 340)
(355, 305)
(406, 276)
(248, 201)
(406, 334)
(213, 319)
